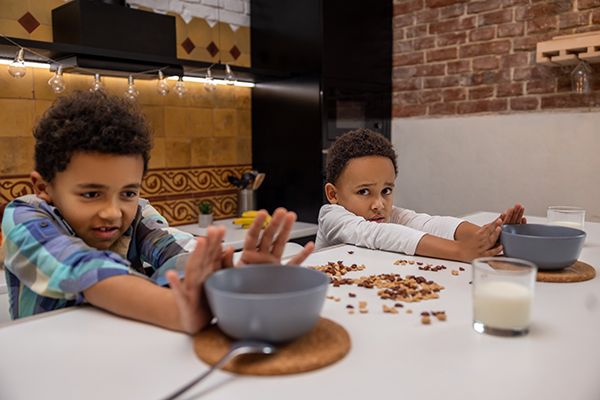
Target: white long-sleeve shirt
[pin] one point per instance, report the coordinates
(401, 233)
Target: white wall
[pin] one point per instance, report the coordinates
(455, 166)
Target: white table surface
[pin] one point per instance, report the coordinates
(89, 354)
(235, 234)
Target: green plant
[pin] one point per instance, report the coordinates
(205, 207)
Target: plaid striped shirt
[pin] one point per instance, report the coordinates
(47, 267)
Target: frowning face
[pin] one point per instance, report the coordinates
(365, 188)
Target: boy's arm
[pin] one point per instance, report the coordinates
(182, 308)
(514, 215)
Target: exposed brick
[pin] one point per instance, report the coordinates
(510, 3)
(477, 106)
(479, 34)
(542, 9)
(449, 53)
(490, 77)
(563, 85)
(449, 39)
(530, 43)
(514, 60)
(585, 4)
(485, 63)
(456, 67)
(571, 100)
(405, 98)
(509, 89)
(431, 70)
(496, 17)
(427, 42)
(403, 73)
(403, 46)
(442, 3)
(398, 34)
(455, 94)
(592, 28)
(428, 15)
(408, 59)
(447, 81)
(460, 24)
(573, 19)
(508, 30)
(416, 31)
(596, 16)
(543, 86)
(535, 73)
(411, 110)
(403, 20)
(452, 11)
(481, 92)
(442, 109)
(497, 47)
(405, 7)
(474, 7)
(430, 96)
(542, 24)
(407, 84)
(524, 103)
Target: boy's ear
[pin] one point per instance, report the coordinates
(331, 193)
(40, 186)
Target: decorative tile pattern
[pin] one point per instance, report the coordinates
(235, 52)
(29, 22)
(13, 186)
(188, 45)
(212, 49)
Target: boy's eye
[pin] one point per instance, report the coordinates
(363, 192)
(130, 194)
(90, 195)
(386, 191)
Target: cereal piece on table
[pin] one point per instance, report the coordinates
(426, 320)
(329, 297)
(461, 268)
(337, 299)
(411, 262)
(350, 252)
(364, 310)
(398, 305)
(409, 311)
(386, 309)
(393, 310)
(441, 316)
(351, 295)
(351, 312)
(454, 272)
(349, 306)
(362, 304)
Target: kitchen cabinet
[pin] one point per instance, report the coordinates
(339, 57)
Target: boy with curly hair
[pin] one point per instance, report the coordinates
(361, 174)
(87, 236)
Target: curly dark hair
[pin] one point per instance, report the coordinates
(89, 122)
(355, 144)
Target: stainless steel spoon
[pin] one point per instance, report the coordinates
(236, 349)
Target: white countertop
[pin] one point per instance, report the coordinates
(235, 235)
(90, 354)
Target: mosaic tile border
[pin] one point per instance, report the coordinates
(174, 192)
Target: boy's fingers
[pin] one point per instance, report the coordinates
(284, 234)
(228, 257)
(267, 238)
(176, 288)
(251, 242)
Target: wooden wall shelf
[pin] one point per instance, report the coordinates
(569, 50)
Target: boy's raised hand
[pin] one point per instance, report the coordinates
(269, 248)
(483, 243)
(194, 313)
(514, 215)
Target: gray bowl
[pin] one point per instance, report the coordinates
(271, 302)
(549, 247)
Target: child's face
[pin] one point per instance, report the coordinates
(365, 188)
(97, 195)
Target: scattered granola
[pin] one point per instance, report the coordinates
(329, 297)
(351, 295)
(461, 268)
(454, 272)
(350, 312)
(364, 310)
(337, 299)
(409, 311)
(350, 252)
(426, 320)
(349, 306)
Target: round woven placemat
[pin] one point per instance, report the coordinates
(577, 272)
(325, 344)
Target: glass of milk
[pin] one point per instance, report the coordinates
(572, 217)
(502, 295)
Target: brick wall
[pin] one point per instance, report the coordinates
(457, 57)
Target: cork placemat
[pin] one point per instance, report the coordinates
(325, 344)
(577, 272)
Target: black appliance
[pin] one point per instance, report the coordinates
(339, 54)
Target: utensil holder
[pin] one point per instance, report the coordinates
(246, 201)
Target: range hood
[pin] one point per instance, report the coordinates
(130, 40)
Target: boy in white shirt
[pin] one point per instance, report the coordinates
(361, 171)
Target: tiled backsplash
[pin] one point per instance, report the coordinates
(198, 140)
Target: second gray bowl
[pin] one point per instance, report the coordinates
(549, 247)
(271, 302)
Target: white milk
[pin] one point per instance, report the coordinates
(575, 225)
(503, 305)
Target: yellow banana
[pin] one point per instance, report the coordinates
(250, 214)
(243, 221)
(246, 226)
